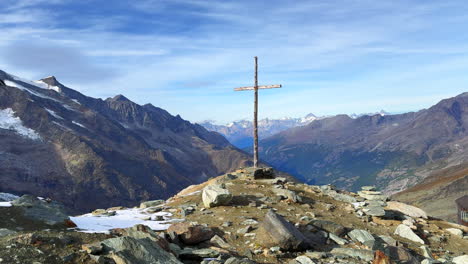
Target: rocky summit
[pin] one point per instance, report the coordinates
(232, 219)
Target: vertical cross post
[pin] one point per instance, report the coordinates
(255, 88)
(255, 121)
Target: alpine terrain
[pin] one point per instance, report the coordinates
(239, 133)
(246, 216)
(89, 153)
(393, 152)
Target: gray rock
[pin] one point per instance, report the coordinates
(51, 213)
(372, 195)
(400, 254)
(388, 240)
(364, 254)
(304, 260)
(329, 226)
(362, 236)
(129, 250)
(244, 230)
(151, 203)
(264, 173)
(461, 259)
(340, 196)
(337, 239)
(6, 232)
(406, 232)
(455, 231)
(287, 194)
(219, 242)
(214, 195)
(426, 252)
(276, 231)
(374, 211)
(406, 209)
(234, 260)
(198, 254)
(368, 188)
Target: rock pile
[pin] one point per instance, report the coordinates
(239, 218)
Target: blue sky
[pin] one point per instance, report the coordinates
(186, 56)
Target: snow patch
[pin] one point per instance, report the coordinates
(7, 197)
(9, 121)
(122, 219)
(53, 113)
(37, 84)
(19, 86)
(78, 124)
(44, 85)
(5, 204)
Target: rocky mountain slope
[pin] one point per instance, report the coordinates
(437, 193)
(243, 217)
(392, 151)
(239, 133)
(89, 153)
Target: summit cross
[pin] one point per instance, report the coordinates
(255, 88)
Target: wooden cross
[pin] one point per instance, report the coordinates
(255, 120)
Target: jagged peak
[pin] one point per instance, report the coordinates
(119, 97)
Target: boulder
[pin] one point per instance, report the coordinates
(264, 173)
(406, 209)
(329, 226)
(455, 231)
(363, 237)
(374, 211)
(276, 231)
(372, 195)
(219, 242)
(461, 259)
(151, 203)
(304, 260)
(191, 234)
(141, 232)
(129, 250)
(340, 196)
(49, 212)
(400, 254)
(214, 195)
(406, 232)
(337, 239)
(364, 254)
(287, 194)
(198, 254)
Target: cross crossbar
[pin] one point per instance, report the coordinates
(255, 88)
(250, 88)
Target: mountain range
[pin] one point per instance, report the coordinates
(394, 152)
(90, 153)
(239, 133)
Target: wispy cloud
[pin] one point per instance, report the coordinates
(187, 55)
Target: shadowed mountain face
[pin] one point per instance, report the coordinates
(90, 153)
(391, 151)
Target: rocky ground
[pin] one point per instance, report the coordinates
(246, 216)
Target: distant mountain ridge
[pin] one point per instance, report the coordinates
(90, 153)
(239, 133)
(392, 151)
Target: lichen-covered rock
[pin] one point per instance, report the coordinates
(214, 195)
(276, 231)
(129, 250)
(191, 234)
(49, 212)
